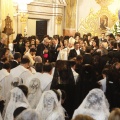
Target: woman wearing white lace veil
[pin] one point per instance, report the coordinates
(0, 117)
(28, 114)
(17, 99)
(49, 108)
(94, 105)
(35, 91)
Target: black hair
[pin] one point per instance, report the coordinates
(47, 67)
(18, 111)
(17, 55)
(6, 66)
(79, 57)
(88, 49)
(32, 50)
(118, 44)
(56, 37)
(4, 59)
(24, 89)
(76, 43)
(3, 51)
(88, 73)
(105, 71)
(25, 60)
(89, 34)
(2, 104)
(39, 67)
(63, 96)
(77, 34)
(72, 63)
(115, 45)
(57, 94)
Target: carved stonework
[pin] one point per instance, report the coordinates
(99, 22)
(93, 22)
(104, 2)
(8, 28)
(71, 13)
(58, 19)
(23, 17)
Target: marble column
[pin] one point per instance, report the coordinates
(70, 17)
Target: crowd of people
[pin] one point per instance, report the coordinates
(60, 78)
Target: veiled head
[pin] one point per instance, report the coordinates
(49, 101)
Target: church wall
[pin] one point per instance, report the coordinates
(53, 13)
(90, 13)
(6, 10)
(31, 30)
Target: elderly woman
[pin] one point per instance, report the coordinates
(49, 107)
(94, 105)
(17, 99)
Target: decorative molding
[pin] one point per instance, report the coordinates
(58, 19)
(92, 22)
(23, 17)
(104, 3)
(71, 13)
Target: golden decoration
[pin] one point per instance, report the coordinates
(58, 19)
(93, 22)
(8, 30)
(104, 2)
(23, 17)
(71, 13)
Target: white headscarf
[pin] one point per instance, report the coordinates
(48, 107)
(94, 105)
(28, 114)
(17, 99)
(35, 91)
(0, 117)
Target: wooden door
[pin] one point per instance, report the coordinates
(41, 29)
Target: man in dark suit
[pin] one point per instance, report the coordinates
(87, 57)
(16, 61)
(113, 54)
(55, 48)
(75, 52)
(43, 50)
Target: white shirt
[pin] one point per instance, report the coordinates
(63, 54)
(35, 91)
(103, 83)
(78, 52)
(46, 80)
(30, 57)
(21, 72)
(5, 83)
(75, 74)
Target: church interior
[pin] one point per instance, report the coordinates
(62, 17)
(59, 59)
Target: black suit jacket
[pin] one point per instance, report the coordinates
(1, 65)
(40, 50)
(87, 59)
(113, 55)
(73, 54)
(54, 53)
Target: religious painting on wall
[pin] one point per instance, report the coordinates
(103, 22)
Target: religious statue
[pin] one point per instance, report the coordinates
(8, 28)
